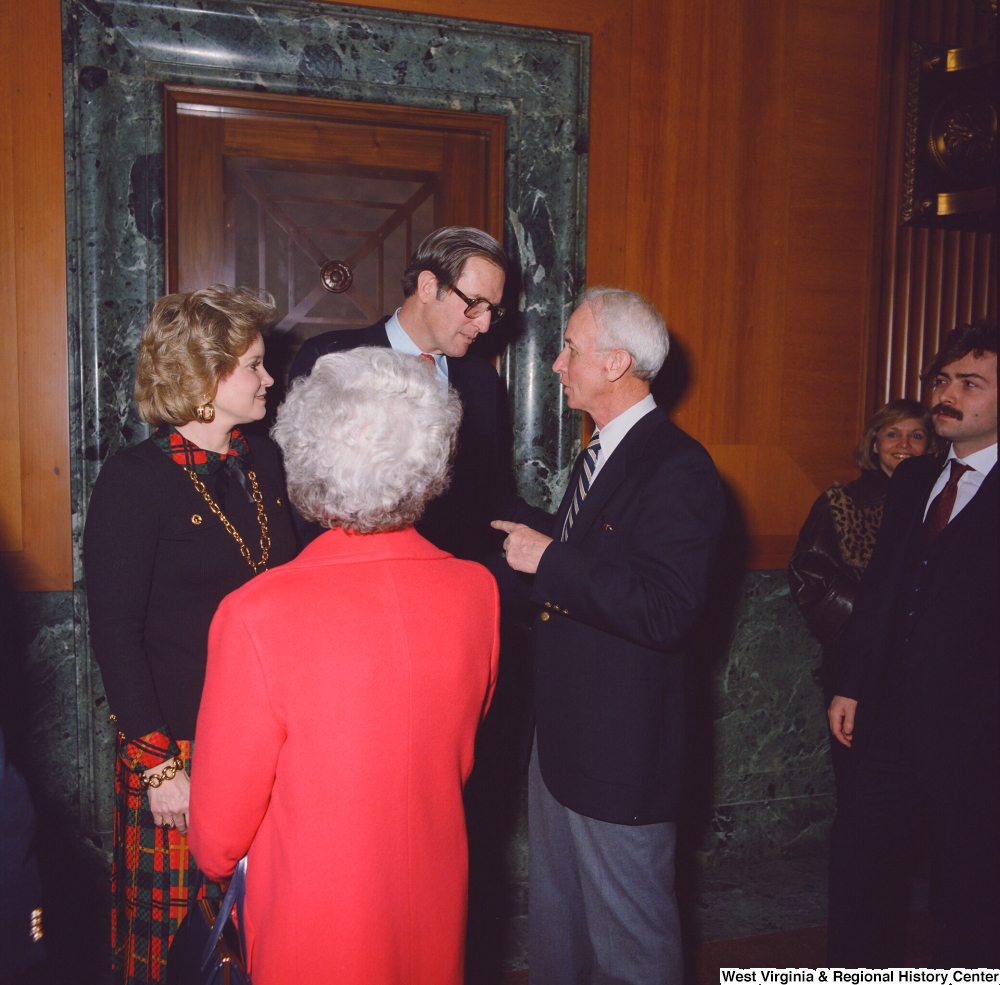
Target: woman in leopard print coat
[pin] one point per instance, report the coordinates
(836, 542)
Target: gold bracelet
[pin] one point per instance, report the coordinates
(157, 779)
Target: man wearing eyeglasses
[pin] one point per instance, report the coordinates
(452, 290)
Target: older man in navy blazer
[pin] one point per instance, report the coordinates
(620, 574)
(452, 290)
(919, 705)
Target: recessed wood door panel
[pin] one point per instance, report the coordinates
(199, 188)
(285, 220)
(265, 191)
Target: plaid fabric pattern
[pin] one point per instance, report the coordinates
(152, 871)
(171, 442)
(583, 486)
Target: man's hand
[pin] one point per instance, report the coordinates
(524, 547)
(841, 715)
(169, 801)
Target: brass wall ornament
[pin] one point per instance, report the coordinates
(950, 163)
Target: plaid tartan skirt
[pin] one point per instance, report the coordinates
(152, 870)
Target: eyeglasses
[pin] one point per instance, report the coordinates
(474, 307)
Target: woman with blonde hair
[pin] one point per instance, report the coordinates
(836, 541)
(175, 523)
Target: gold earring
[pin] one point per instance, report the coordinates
(205, 413)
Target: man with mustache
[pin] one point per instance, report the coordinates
(919, 703)
(452, 290)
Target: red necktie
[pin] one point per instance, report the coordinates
(940, 509)
(424, 355)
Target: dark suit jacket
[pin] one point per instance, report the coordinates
(618, 600)
(482, 476)
(923, 642)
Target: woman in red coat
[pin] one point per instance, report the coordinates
(343, 693)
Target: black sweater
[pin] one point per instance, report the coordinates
(157, 565)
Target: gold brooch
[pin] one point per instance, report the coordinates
(195, 519)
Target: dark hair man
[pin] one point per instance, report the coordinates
(452, 290)
(620, 574)
(919, 703)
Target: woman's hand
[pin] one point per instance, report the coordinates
(169, 801)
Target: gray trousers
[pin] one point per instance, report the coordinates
(601, 904)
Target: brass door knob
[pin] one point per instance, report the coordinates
(336, 276)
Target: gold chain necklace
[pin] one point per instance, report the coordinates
(265, 540)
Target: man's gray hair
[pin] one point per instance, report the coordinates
(627, 321)
(368, 439)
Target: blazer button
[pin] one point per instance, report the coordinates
(545, 617)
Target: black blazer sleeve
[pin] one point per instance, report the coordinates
(515, 586)
(119, 550)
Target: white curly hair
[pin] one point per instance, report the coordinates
(368, 439)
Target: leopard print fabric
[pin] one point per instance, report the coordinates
(856, 526)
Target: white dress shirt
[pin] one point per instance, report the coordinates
(982, 462)
(402, 342)
(614, 431)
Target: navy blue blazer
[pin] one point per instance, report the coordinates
(482, 474)
(617, 603)
(925, 633)
(20, 886)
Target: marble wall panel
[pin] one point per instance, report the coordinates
(772, 782)
(40, 668)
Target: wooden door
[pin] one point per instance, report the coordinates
(318, 202)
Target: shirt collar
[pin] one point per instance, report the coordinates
(615, 430)
(401, 342)
(982, 460)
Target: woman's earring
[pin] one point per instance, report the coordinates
(205, 413)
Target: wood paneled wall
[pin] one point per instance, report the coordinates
(932, 279)
(750, 185)
(35, 511)
(732, 179)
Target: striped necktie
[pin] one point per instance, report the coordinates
(583, 486)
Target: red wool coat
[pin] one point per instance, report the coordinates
(334, 737)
